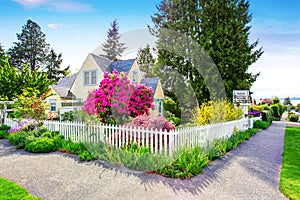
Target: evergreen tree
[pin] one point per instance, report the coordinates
(53, 67)
(33, 49)
(222, 29)
(146, 60)
(112, 46)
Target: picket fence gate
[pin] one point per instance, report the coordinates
(159, 141)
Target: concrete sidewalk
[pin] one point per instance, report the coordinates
(250, 171)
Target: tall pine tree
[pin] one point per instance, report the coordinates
(33, 49)
(112, 46)
(222, 29)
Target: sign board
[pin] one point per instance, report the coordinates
(241, 96)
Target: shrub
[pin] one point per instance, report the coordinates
(293, 118)
(86, 156)
(3, 134)
(4, 127)
(58, 141)
(261, 124)
(151, 122)
(40, 145)
(276, 108)
(266, 116)
(175, 120)
(216, 111)
(19, 138)
(189, 163)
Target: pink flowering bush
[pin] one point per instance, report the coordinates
(151, 122)
(89, 104)
(117, 97)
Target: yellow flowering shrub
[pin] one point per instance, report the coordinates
(216, 111)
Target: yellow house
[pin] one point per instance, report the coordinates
(77, 86)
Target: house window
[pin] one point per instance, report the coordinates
(134, 76)
(53, 106)
(90, 77)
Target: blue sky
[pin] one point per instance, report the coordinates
(77, 27)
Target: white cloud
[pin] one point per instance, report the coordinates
(57, 5)
(53, 26)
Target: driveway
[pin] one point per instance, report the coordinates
(250, 171)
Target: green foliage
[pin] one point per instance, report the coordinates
(175, 120)
(86, 156)
(287, 101)
(276, 110)
(3, 134)
(19, 138)
(266, 116)
(68, 116)
(189, 163)
(4, 131)
(261, 124)
(276, 100)
(172, 106)
(293, 117)
(36, 53)
(112, 46)
(27, 106)
(59, 141)
(14, 83)
(146, 60)
(4, 127)
(11, 190)
(290, 176)
(222, 29)
(132, 156)
(40, 145)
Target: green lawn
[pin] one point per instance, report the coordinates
(290, 172)
(11, 190)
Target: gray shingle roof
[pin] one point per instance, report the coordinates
(63, 86)
(102, 62)
(150, 82)
(122, 65)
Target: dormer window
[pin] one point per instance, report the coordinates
(90, 77)
(134, 76)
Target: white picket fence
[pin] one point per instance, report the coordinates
(158, 141)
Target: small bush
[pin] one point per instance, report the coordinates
(175, 120)
(189, 163)
(19, 138)
(86, 156)
(266, 116)
(261, 124)
(40, 145)
(151, 122)
(293, 118)
(3, 134)
(4, 127)
(58, 141)
(216, 111)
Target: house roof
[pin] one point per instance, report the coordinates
(150, 82)
(63, 86)
(122, 65)
(102, 62)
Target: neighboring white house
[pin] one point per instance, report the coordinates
(77, 86)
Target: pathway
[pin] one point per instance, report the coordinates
(250, 171)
